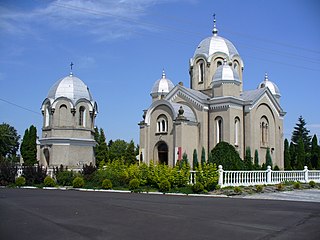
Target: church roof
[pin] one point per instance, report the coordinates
(70, 87)
(225, 73)
(162, 86)
(271, 85)
(251, 95)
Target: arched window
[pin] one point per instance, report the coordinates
(63, 110)
(236, 131)
(162, 124)
(82, 116)
(219, 63)
(264, 131)
(46, 117)
(201, 71)
(219, 128)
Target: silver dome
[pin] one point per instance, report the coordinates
(215, 44)
(162, 86)
(70, 87)
(271, 85)
(225, 73)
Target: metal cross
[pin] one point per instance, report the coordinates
(71, 64)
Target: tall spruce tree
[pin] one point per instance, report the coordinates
(203, 156)
(101, 149)
(268, 158)
(301, 155)
(248, 159)
(286, 155)
(315, 153)
(28, 147)
(130, 157)
(293, 155)
(195, 159)
(300, 131)
(256, 160)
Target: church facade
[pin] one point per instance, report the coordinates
(215, 108)
(69, 113)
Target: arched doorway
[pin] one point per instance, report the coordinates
(163, 153)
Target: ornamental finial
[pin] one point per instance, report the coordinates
(71, 65)
(214, 30)
(163, 73)
(266, 77)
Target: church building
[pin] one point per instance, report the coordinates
(69, 113)
(215, 108)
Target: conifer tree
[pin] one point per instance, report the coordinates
(102, 148)
(268, 158)
(195, 159)
(301, 155)
(248, 159)
(293, 155)
(300, 131)
(256, 160)
(28, 147)
(203, 156)
(130, 156)
(315, 153)
(287, 157)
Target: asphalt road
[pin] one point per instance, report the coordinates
(56, 214)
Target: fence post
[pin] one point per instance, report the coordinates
(269, 175)
(220, 170)
(306, 174)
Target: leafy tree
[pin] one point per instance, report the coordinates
(9, 141)
(287, 157)
(248, 159)
(300, 131)
(130, 154)
(301, 155)
(315, 153)
(256, 160)
(293, 155)
(226, 155)
(268, 158)
(203, 156)
(195, 159)
(117, 149)
(29, 146)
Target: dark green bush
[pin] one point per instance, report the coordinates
(88, 171)
(237, 190)
(198, 187)
(106, 184)
(297, 185)
(78, 182)
(259, 188)
(312, 184)
(164, 186)
(8, 173)
(49, 182)
(34, 174)
(65, 178)
(20, 181)
(134, 184)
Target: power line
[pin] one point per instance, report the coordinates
(19, 106)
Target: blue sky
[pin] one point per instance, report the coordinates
(119, 49)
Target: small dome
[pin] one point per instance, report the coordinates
(271, 85)
(225, 73)
(70, 87)
(162, 86)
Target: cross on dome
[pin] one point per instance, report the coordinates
(214, 30)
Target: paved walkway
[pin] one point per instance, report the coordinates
(309, 195)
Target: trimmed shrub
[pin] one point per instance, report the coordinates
(164, 186)
(20, 181)
(279, 187)
(198, 187)
(49, 182)
(259, 188)
(34, 174)
(65, 178)
(134, 184)
(106, 184)
(312, 184)
(78, 182)
(297, 185)
(237, 190)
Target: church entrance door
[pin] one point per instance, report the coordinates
(163, 153)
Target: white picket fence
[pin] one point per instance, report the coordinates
(250, 178)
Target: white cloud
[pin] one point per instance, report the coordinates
(103, 19)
